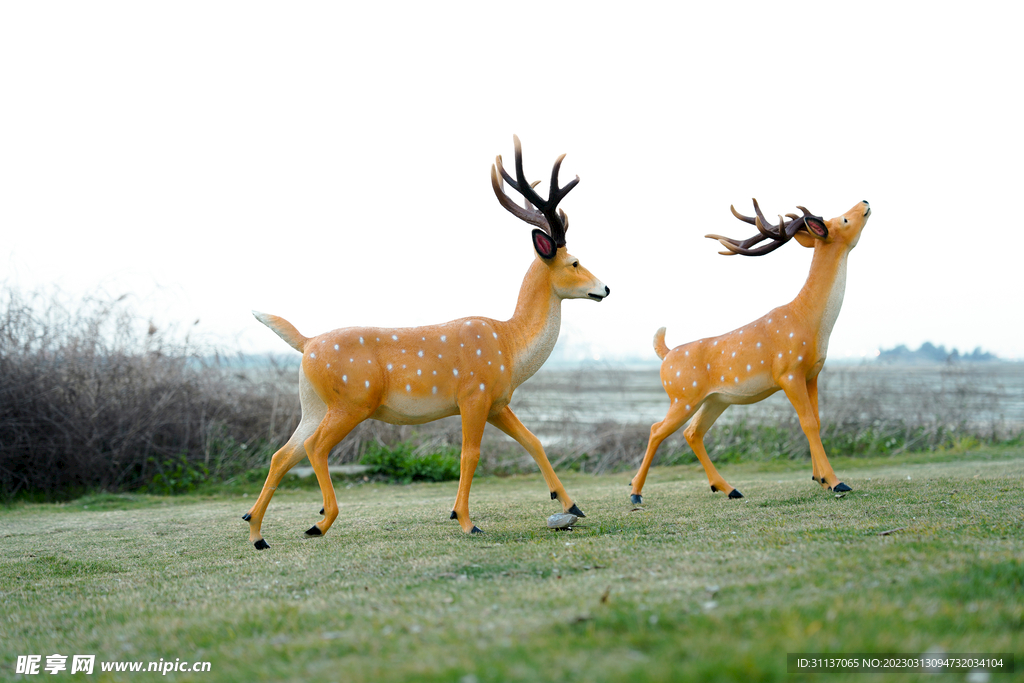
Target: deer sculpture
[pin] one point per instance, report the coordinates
(783, 350)
(467, 367)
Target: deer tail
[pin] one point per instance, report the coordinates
(284, 329)
(660, 347)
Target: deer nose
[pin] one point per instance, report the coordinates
(864, 201)
(607, 290)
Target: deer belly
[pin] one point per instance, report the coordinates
(409, 410)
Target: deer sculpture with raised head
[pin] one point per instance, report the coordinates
(467, 367)
(783, 350)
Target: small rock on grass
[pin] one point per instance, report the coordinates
(562, 520)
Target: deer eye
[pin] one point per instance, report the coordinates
(575, 264)
(845, 221)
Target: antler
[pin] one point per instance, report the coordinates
(549, 218)
(783, 232)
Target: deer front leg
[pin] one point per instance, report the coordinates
(812, 395)
(474, 417)
(797, 392)
(507, 422)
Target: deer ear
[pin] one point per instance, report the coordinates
(816, 226)
(543, 243)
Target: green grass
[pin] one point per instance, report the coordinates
(692, 586)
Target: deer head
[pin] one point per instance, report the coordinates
(808, 230)
(569, 280)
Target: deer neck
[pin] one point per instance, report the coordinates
(533, 328)
(822, 295)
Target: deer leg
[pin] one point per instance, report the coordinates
(335, 426)
(676, 417)
(474, 417)
(798, 394)
(283, 460)
(507, 422)
(812, 395)
(694, 433)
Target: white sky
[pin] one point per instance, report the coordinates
(330, 163)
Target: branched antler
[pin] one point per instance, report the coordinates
(549, 217)
(781, 234)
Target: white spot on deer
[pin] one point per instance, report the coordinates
(687, 406)
(790, 335)
(678, 372)
(337, 348)
(758, 344)
(328, 365)
(444, 338)
(694, 384)
(769, 319)
(737, 380)
(344, 378)
(503, 368)
(722, 378)
(435, 372)
(312, 355)
(423, 338)
(478, 352)
(455, 371)
(478, 336)
(351, 360)
(434, 390)
(716, 343)
(481, 386)
(469, 322)
(367, 383)
(390, 366)
(488, 362)
(361, 340)
(748, 367)
(495, 334)
(420, 354)
(709, 366)
(499, 352)
(394, 337)
(799, 357)
(780, 355)
(403, 367)
(791, 376)
(675, 400)
(439, 356)
(419, 371)
(408, 387)
(463, 345)
(733, 354)
(403, 350)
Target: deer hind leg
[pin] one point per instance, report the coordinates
(474, 417)
(507, 422)
(282, 461)
(678, 414)
(335, 426)
(694, 433)
(799, 394)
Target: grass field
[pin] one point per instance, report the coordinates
(927, 554)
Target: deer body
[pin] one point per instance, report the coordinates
(784, 350)
(468, 367)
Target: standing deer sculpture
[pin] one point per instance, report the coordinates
(783, 350)
(413, 375)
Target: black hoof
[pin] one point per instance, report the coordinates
(321, 511)
(247, 516)
(841, 487)
(261, 545)
(314, 531)
(714, 489)
(814, 478)
(476, 530)
(453, 515)
(735, 493)
(575, 510)
(636, 498)
(553, 495)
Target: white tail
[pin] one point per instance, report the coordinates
(783, 350)
(467, 367)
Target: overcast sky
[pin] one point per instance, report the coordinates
(330, 163)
